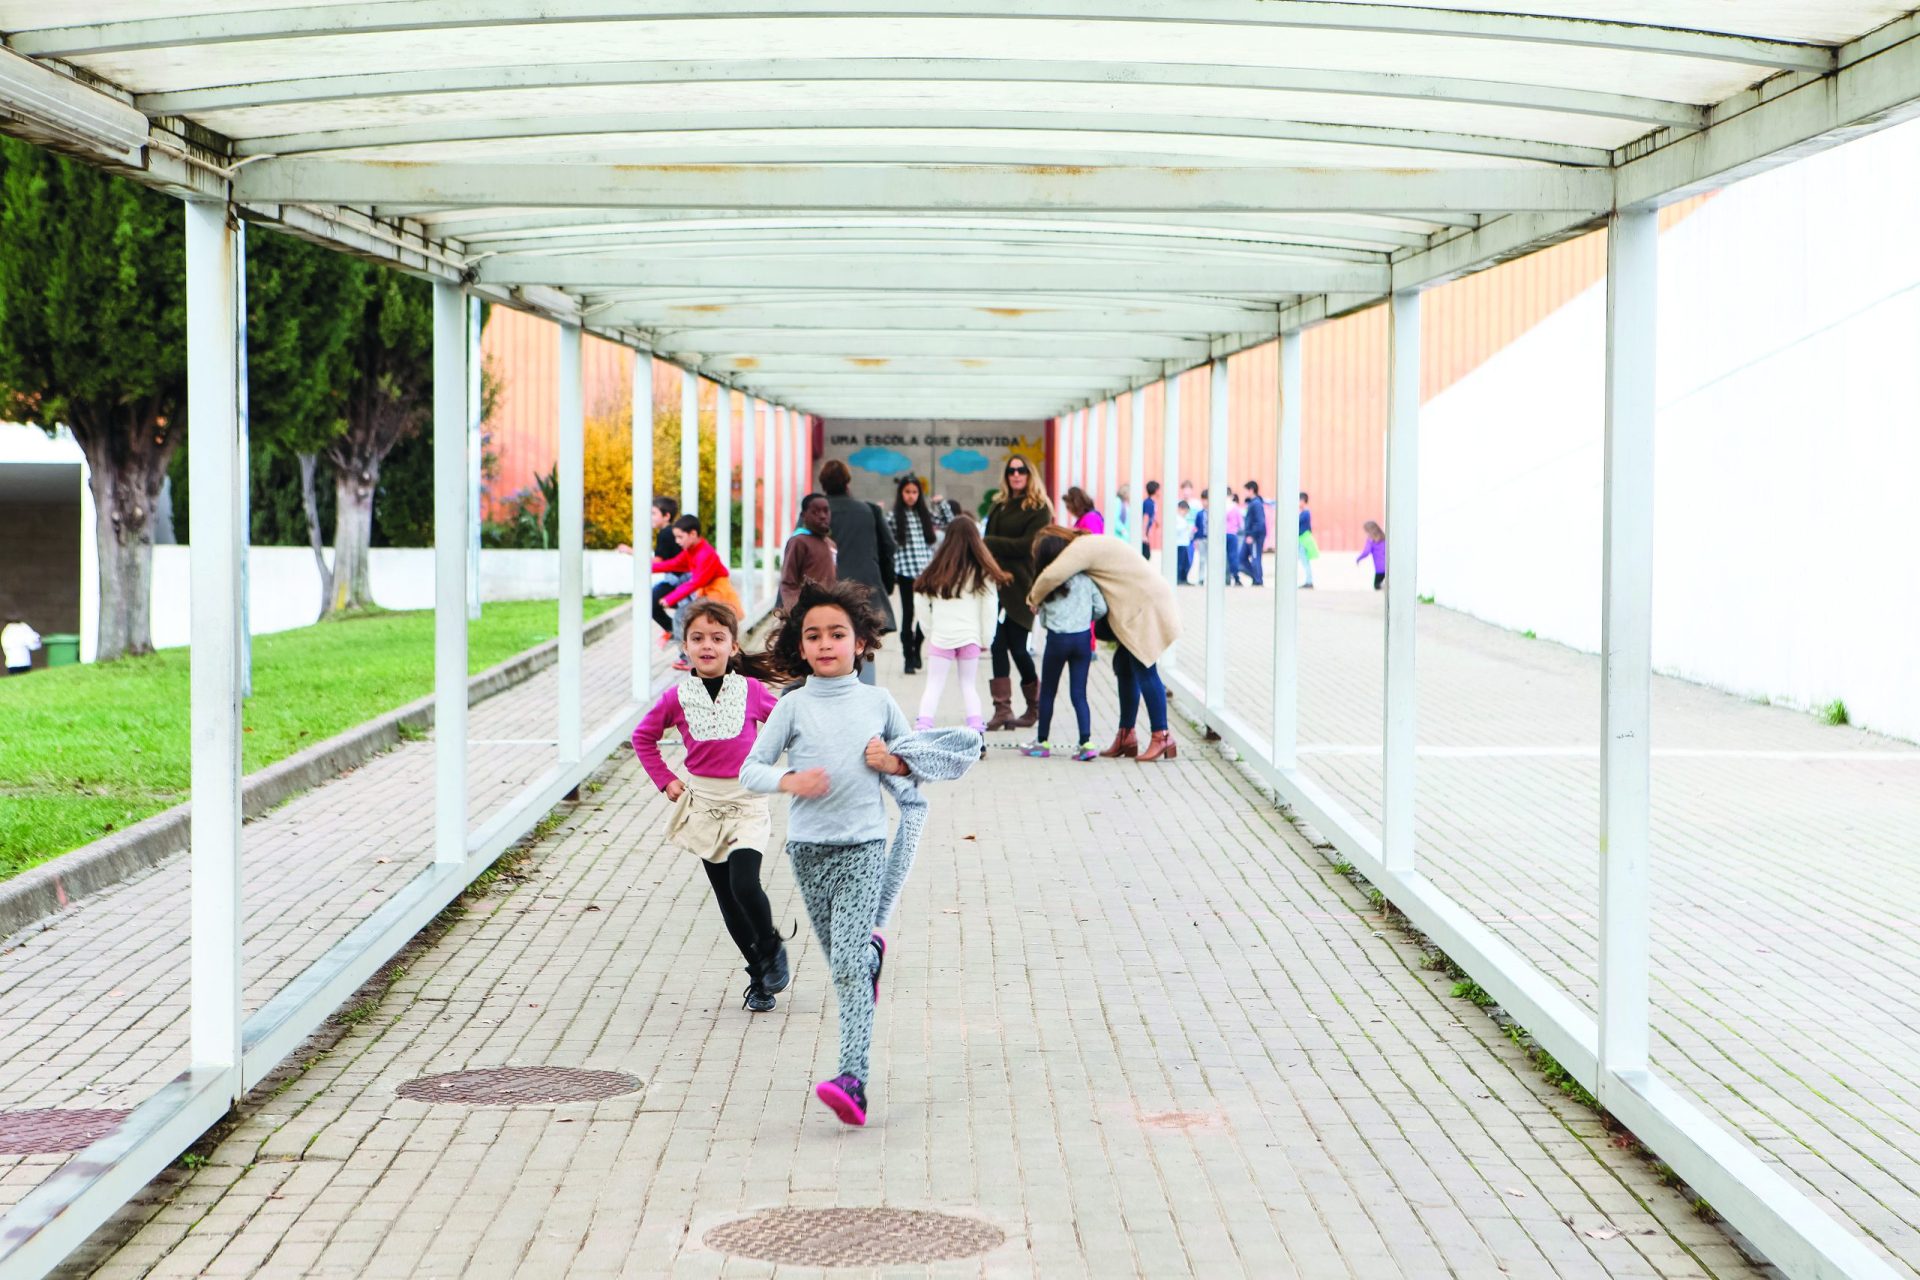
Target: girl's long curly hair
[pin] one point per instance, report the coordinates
(851, 598)
(757, 665)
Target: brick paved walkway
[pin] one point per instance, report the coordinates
(93, 1008)
(1131, 1018)
(1786, 908)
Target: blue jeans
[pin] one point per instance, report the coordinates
(1073, 652)
(1183, 563)
(1250, 549)
(1233, 558)
(1137, 678)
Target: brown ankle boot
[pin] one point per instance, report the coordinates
(1160, 747)
(1030, 690)
(1001, 687)
(1125, 743)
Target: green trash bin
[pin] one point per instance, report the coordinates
(62, 651)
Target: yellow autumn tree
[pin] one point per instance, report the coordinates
(608, 472)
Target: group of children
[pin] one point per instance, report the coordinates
(1189, 530)
(845, 744)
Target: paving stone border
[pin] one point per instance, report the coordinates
(54, 885)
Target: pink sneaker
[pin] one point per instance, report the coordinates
(846, 1096)
(923, 723)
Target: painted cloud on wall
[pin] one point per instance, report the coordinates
(965, 461)
(884, 462)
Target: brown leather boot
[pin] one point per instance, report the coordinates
(1125, 743)
(1001, 687)
(1160, 747)
(1030, 690)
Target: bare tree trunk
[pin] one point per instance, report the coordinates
(353, 490)
(310, 499)
(126, 472)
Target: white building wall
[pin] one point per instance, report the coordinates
(286, 583)
(1787, 553)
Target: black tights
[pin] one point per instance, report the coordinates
(1010, 646)
(743, 903)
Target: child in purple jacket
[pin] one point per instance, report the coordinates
(718, 709)
(1377, 548)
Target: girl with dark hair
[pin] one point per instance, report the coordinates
(706, 578)
(915, 527)
(1020, 510)
(961, 586)
(1068, 613)
(1086, 517)
(717, 707)
(835, 732)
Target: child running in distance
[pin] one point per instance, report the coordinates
(1377, 548)
(961, 591)
(706, 579)
(1068, 615)
(833, 731)
(718, 708)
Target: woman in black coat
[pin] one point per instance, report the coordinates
(1019, 512)
(865, 544)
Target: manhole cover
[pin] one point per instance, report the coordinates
(854, 1237)
(517, 1086)
(47, 1130)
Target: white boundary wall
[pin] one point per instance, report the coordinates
(285, 583)
(1787, 553)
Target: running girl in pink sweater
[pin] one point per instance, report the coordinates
(718, 708)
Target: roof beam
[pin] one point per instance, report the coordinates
(1249, 188)
(1001, 315)
(889, 126)
(1117, 365)
(720, 345)
(1030, 71)
(396, 16)
(663, 243)
(478, 226)
(921, 273)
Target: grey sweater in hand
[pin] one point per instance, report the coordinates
(825, 724)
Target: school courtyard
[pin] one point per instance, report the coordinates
(1133, 1022)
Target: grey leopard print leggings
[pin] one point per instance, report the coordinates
(841, 886)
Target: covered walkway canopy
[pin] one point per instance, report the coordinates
(998, 208)
(980, 209)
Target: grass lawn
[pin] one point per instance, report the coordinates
(90, 749)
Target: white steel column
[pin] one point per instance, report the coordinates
(1110, 468)
(452, 420)
(689, 444)
(1170, 492)
(1286, 599)
(1137, 468)
(572, 541)
(1071, 476)
(244, 429)
(1403, 482)
(1626, 641)
(642, 535)
(789, 482)
(773, 534)
(476, 412)
(749, 497)
(219, 471)
(1217, 504)
(723, 475)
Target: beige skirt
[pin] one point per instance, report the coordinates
(715, 816)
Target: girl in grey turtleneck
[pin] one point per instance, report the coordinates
(834, 733)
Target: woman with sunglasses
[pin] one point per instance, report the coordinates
(1019, 513)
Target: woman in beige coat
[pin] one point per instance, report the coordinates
(1141, 619)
